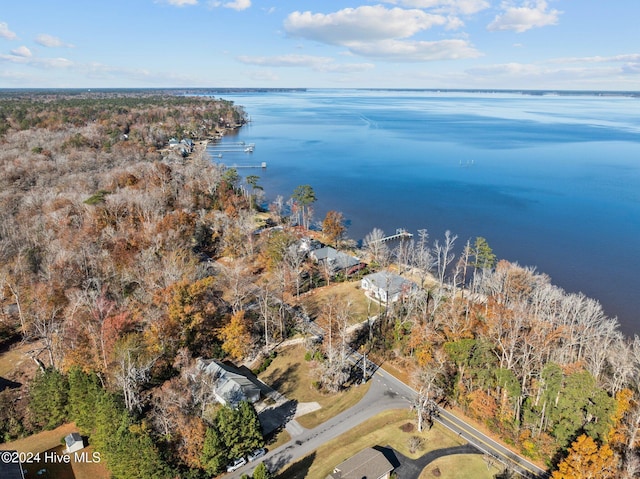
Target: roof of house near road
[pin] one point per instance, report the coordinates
(368, 463)
(9, 469)
(335, 260)
(230, 386)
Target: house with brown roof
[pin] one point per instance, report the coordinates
(367, 464)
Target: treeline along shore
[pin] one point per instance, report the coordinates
(123, 260)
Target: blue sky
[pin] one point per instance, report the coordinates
(534, 44)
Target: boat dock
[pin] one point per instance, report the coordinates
(261, 165)
(401, 234)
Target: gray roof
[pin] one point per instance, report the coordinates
(72, 438)
(230, 384)
(389, 282)
(336, 260)
(368, 463)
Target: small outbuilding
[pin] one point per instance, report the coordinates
(74, 442)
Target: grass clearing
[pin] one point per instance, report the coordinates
(291, 376)
(14, 358)
(385, 429)
(338, 292)
(459, 467)
(50, 442)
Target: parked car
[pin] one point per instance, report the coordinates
(256, 454)
(237, 464)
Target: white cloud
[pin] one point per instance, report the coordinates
(362, 24)
(416, 51)
(285, 60)
(5, 32)
(238, 5)
(464, 7)
(51, 42)
(531, 14)
(632, 57)
(510, 69)
(181, 3)
(22, 52)
(323, 64)
(380, 33)
(37, 62)
(523, 75)
(454, 23)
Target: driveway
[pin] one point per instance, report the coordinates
(407, 468)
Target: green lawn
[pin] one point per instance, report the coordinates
(389, 429)
(459, 467)
(292, 376)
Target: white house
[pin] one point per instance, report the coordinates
(387, 287)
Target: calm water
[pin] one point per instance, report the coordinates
(550, 181)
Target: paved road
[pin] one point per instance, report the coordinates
(386, 392)
(481, 441)
(383, 395)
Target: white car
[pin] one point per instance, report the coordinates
(237, 464)
(256, 454)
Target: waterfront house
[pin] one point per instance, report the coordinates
(229, 385)
(368, 463)
(333, 261)
(387, 287)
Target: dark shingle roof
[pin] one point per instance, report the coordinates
(368, 463)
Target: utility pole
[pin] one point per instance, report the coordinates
(364, 367)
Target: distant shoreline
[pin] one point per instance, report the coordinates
(236, 90)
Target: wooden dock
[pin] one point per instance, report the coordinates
(401, 234)
(261, 165)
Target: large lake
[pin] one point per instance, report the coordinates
(550, 181)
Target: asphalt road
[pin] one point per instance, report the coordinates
(481, 441)
(385, 393)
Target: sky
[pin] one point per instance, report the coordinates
(484, 44)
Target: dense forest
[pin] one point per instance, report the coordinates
(123, 260)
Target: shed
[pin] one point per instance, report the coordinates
(74, 443)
